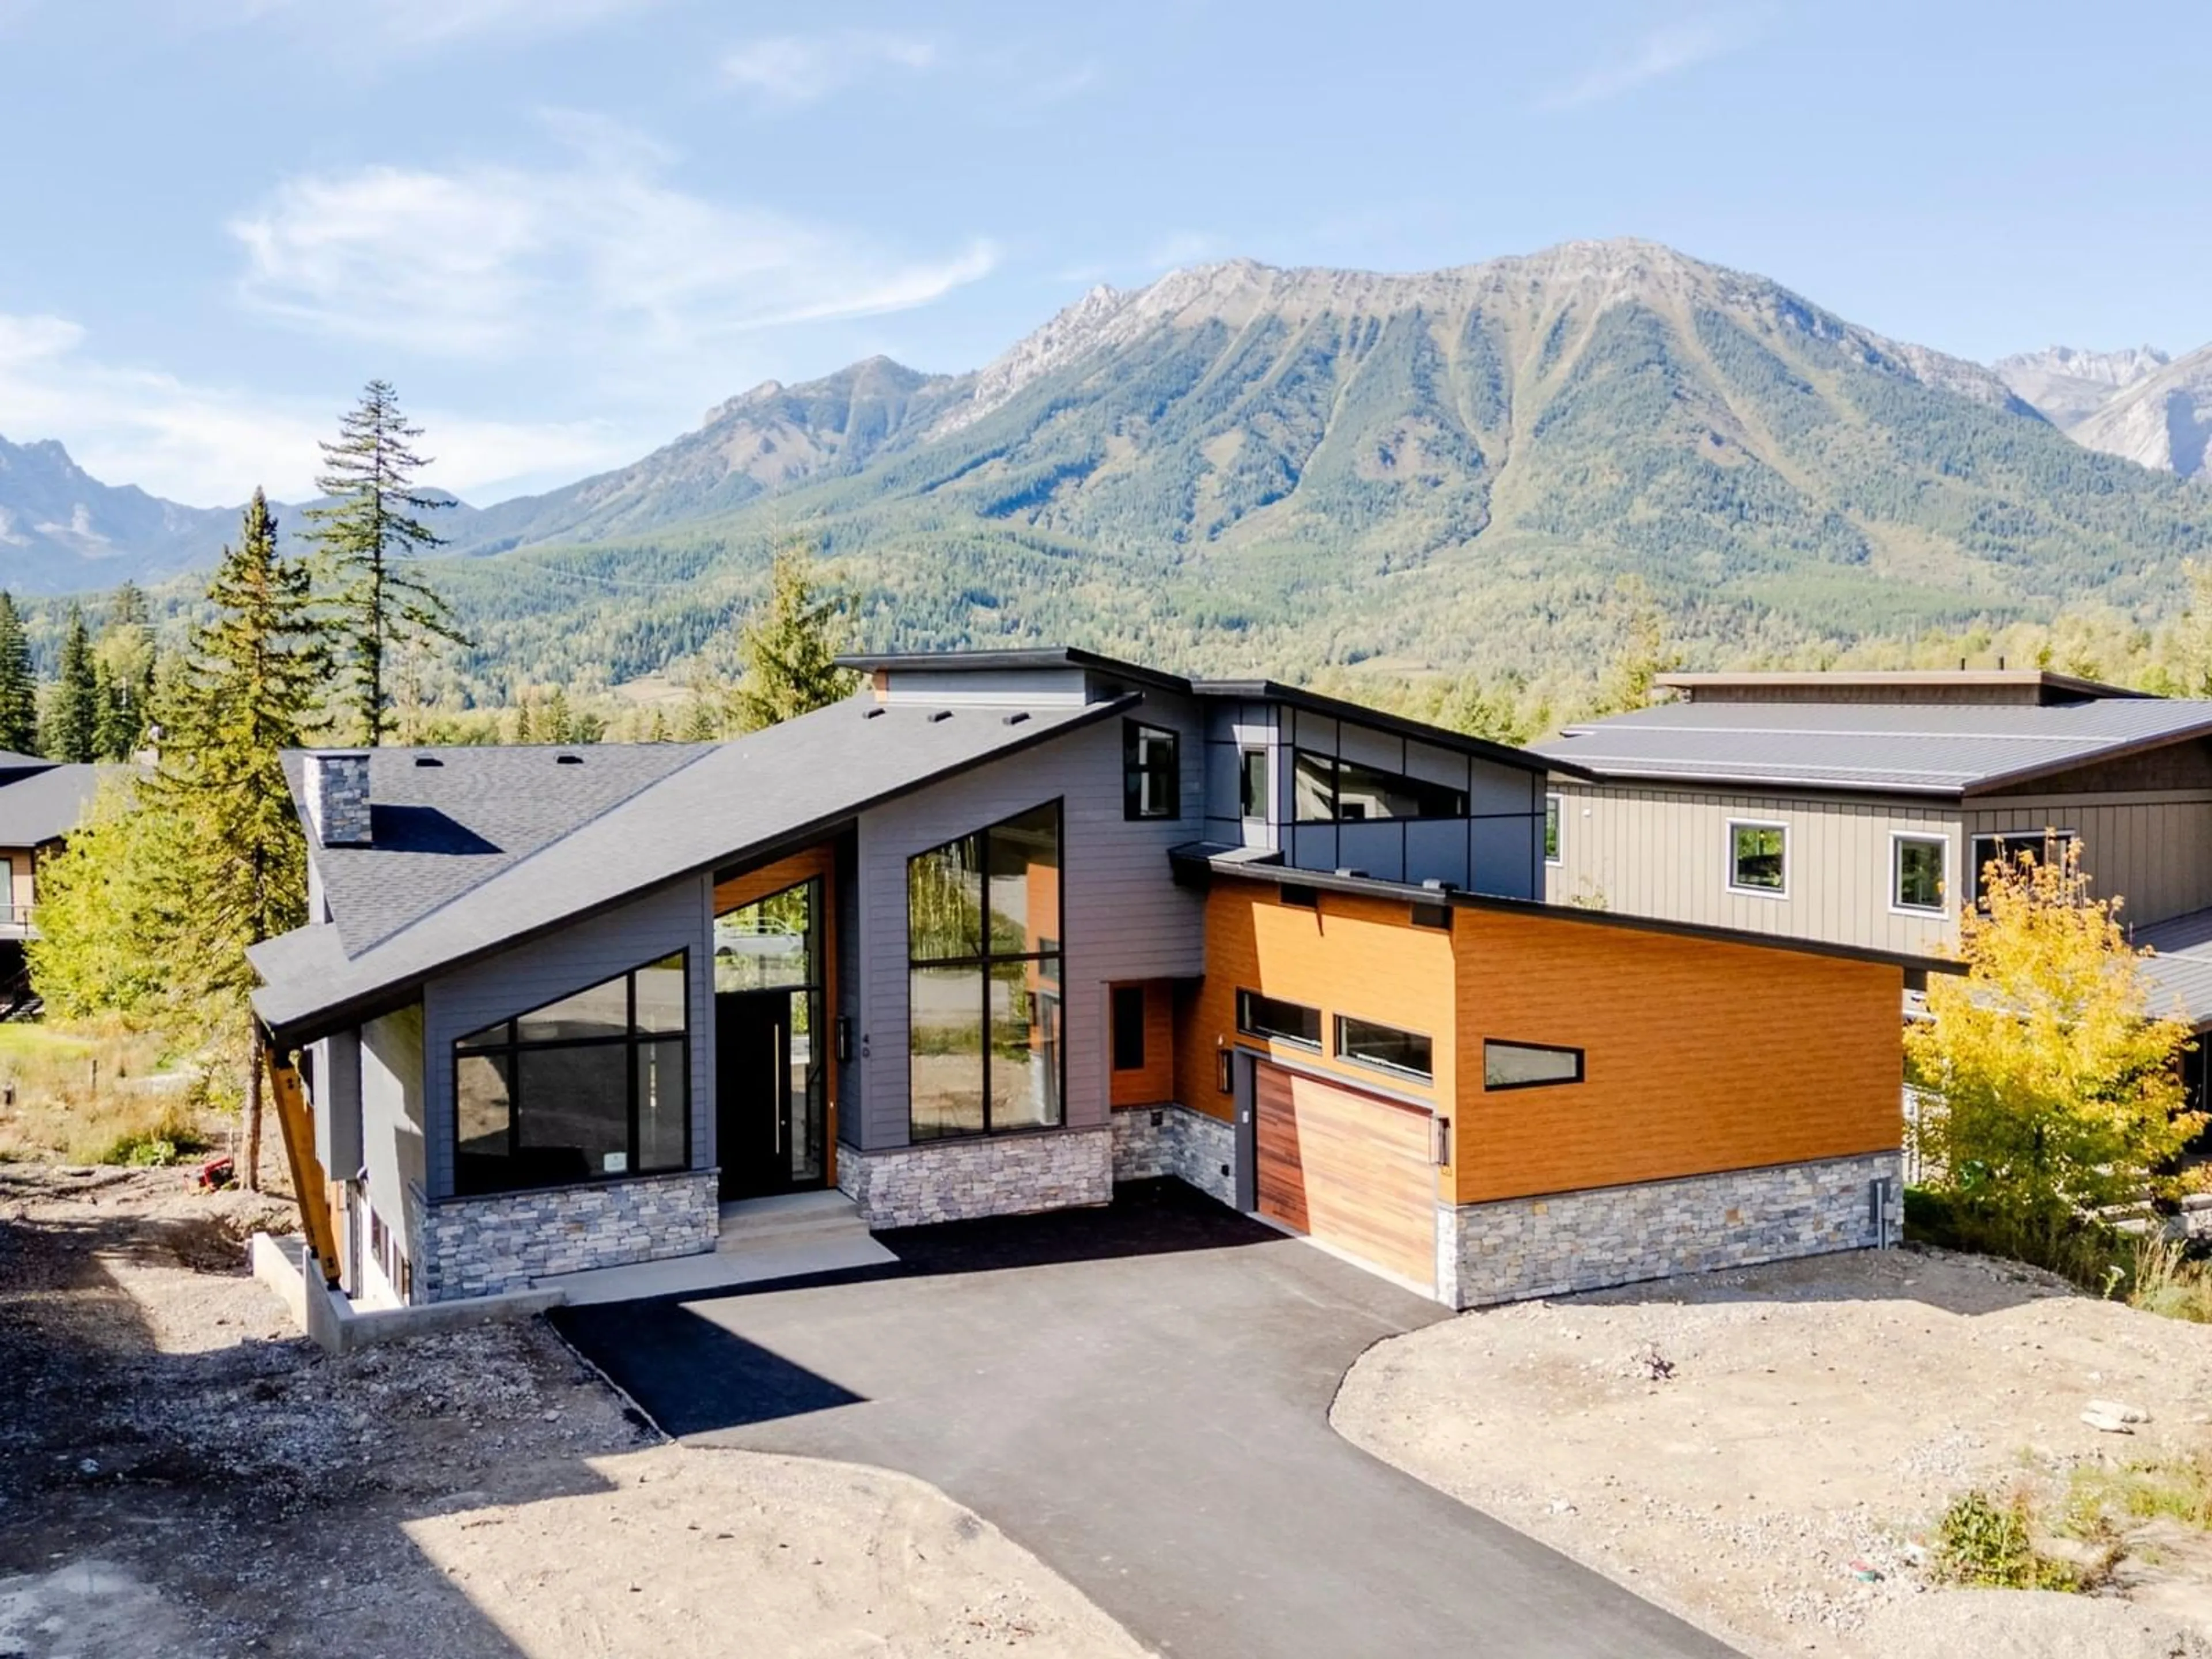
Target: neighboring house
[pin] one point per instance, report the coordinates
(1008, 927)
(1864, 808)
(40, 802)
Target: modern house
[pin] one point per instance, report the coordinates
(1008, 927)
(40, 802)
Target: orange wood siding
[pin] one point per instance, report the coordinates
(1348, 1169)
(763, 883)
(1353, 955)
(1701, 1055)
(1155, 1081)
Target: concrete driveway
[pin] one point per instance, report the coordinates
(1140, 1395)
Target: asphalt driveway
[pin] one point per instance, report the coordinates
(1140, 1395)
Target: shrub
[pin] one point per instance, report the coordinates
(1985, 1543)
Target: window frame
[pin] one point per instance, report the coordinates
(1135, 775)
(1246, 757)
(2051, 839)
(512, 1047)
(1729, 852)
(1406, 781)
(1898, 840)
(1388, 1068)
(1246, 1026)
(1119, 999)
(1554, 821)
(986, 961)
(1581, 1065)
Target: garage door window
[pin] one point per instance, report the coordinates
(1386, 1046)
(1272, 1016)
(1529, 1065)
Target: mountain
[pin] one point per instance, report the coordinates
(2162, 420)
(1244, 465)
(2068, 386)
(61, 528)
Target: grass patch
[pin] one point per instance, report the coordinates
(2098, 1502)
(93, 1096)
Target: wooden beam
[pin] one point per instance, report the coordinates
(309, 1184)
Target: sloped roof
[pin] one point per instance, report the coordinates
(1910, 748)
(727, 801)
(2180, 969)
(42, 801)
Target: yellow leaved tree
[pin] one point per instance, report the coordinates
(2048, 1084)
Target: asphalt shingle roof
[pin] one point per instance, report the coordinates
(44, 804)
(1918, 749)
(719, 803)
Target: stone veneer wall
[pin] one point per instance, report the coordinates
(481, 1246)
(1199, 1150)
(1587, 1241)
(959, 1180)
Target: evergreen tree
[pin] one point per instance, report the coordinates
(249, 687)
(701, 723)
(525, 730)
(19, 692)
(372, 526)
(555, 723)
(72, 726)
(658, 730)
(789, 646)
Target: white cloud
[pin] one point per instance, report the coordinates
(598, 258)
(405, 25)
(785, 70)
(1663, 52)
(211, 445)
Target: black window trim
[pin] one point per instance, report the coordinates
(2053, 839)
(1246, 754)
(1336, 764)
(1386, 1067)
(1248, 1028)
(984, 963)
(512, 1046)
(1133, 732)
(1581, 1065)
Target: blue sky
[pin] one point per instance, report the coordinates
(567, 228)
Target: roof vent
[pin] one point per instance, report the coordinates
(936, 714)
(1016, 718)
(428, 760)
(567, 759)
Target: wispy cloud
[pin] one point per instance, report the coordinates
(1182, 248)
(598, 258)
(1663, 52)
(785, 70)
(211, 445)
(409, 24)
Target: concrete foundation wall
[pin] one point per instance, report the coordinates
(986, 1174)
(487, 1246)
(1198, 1150)
(1586, 1241)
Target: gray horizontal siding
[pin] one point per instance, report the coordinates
(675, 917)
(1123, 917)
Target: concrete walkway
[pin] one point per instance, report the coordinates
(1140, 1396)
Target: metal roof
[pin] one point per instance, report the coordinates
(729, 801)
(1934, 680)
(1900, 748)
(2180, 968)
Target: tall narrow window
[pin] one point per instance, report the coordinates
(1128, 1027)
(1151, 782)
(1551, 828)
(1252, 783)
(984, 1019)
(593, 1086)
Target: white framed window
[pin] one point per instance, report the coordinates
(1551, 828)
(1919, 872)
(1759, 858)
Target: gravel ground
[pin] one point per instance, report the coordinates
(1762, 1451)
(181, 1474)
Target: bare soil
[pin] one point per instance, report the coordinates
(1765, 1451)
(181, 1474)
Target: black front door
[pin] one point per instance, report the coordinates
(752, 1076)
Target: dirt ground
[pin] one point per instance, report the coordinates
(181, 1474)
(1764, 1450)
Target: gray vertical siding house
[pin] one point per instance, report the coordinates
(1000, 929)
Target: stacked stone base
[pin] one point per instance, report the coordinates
(1587, 1241)
(483, 1246)
(1150, 1141)
(986, 1175)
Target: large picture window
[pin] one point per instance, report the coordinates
(1327, 790)
(592, 1086)
(983, 961)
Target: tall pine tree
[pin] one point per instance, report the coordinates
(249, 688)
(367, 534)
(72, 726)
(124, 667)
(788, 647)
(19, 691)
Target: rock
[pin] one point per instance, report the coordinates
(2106, 1422)
(2114, 1409)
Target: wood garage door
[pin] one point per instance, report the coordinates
(1348, 1169)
